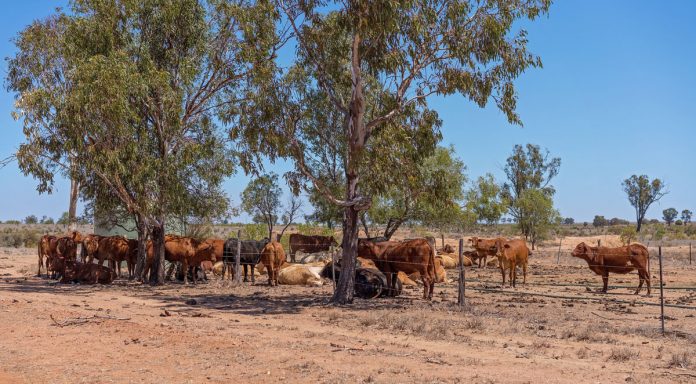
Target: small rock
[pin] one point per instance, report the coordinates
(191, 302)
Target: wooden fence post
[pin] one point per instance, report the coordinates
(558, 257)
(662, 296)
(462, 286)
(689, 253)
(237, 259)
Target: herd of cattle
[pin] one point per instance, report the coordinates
(398, 262)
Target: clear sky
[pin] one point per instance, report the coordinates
(616, 96)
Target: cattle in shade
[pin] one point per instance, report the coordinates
(117, 249)
(605, 260)
(409, 256)
(90, 246)
(309, 244)
(84, 273)
(188, 251)
(272, 257)
(250, 255)
(47, 250)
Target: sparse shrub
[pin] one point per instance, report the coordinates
(627, 235)
(680, 360)
(622, 354)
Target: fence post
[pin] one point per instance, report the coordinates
(237, 261)
(558, 257)
(462, 286)
(599, 242)
(689, 253)
(662, 297)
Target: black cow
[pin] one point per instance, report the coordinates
(249, 255)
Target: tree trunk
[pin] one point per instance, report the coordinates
(638, 225)
(392, 226)
(364, 224)
(356, 133)
(346, 282)
(72, 209)
(142, 249)
(157, 272)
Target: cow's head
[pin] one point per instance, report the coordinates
(76, 236)
(366, 249)
(499, 248)
(581, 250)
(474, 241)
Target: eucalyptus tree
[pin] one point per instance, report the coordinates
(376, 63)
(39, 75)
(148, 80)
(642, 193)
(485, 199)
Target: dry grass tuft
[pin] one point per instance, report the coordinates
(418, 324)
(680, 360)
(622, 354)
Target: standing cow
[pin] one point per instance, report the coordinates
(484, 248)
(309, 244)
(603, 260)
(511, 254)
(272, 257)
(47, 250)
(408, 256)
(250, 254)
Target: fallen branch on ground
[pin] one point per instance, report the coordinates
(82, 320)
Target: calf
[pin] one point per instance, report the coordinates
(603, 260)
(47, 249)
(511, 254)
(484, 248)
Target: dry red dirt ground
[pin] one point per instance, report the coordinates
(551, 330)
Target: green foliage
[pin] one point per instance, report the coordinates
(568, 221)
(31, 219)
(64, 219)
(485, 200)
(659, 233)
(679, 222)
(19, 237)
(537, 214)
(13, 222)
(642, 193)
(252, 232)
(669, 214)
(261, 200)
(529, 169)
(599, 221)
(686, 216)
(616, 221)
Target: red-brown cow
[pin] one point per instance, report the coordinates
(603, 260)
(90, 246)
(511, 254)
(117, 249)
(47, 250)
(484, 248)
(272, 257)
(309, 244)
(185, 250)
(75, 272)
(410, 256)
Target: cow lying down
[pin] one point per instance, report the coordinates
(298, 274)
(76, 272)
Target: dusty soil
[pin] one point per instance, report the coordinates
(554, 329)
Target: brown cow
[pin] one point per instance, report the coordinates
(484, 248)
(74, 271)
(408, 256)
(272, 257)
(47, 250)
(511, 254)
(309, 244)
(117, 249)
(185, 250)
(90, 245)
(603, 260)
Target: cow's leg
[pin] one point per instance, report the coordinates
(605, 279)
(524, 273)
(292, 256)
(40, 264)
(184, 268)
(511, 274)
(485, 259)
(647, 279)
(502, 272)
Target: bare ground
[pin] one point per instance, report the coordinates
(551, 330)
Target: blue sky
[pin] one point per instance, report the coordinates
(616, 97)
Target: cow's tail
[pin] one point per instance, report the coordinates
(431, 263)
